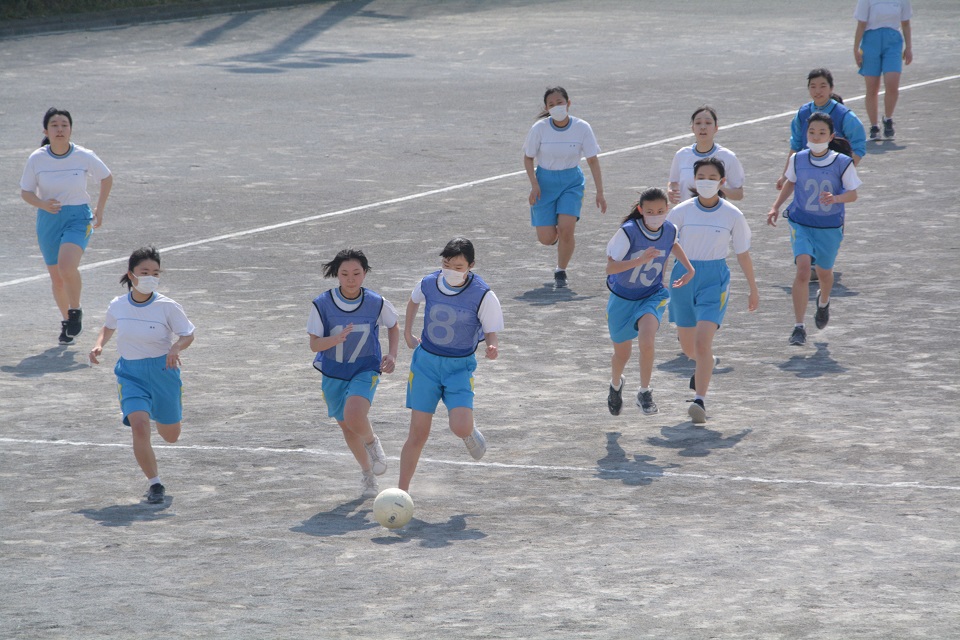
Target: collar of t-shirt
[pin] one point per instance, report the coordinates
(343, 303)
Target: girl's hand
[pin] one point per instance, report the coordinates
(412, 341)
(648, 255)
(492, 352)
(684, 279)
(50, 206)
(753, 300)
(173, 358)
(772, 217)
(94, 354)
(97, 218)
(674, 195)
(858, 57)
(534, 195)
(781, 181)
(388, 364)
(907, 56)
(342, 336)
(827, 198)
(601, 203)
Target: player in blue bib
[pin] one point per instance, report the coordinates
(344, 333)
(821, 181)
(636, 256)
(461, 312)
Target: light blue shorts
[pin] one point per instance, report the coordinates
(434, 378)
(72, 225)
(623, 315)
(704, 297)
(822, 245)
(882, 52)
(561, 192)
(148, 385)
(336, 391)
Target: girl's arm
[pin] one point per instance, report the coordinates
(32, 199)
(389, 362)
(783, 174)
(173, 357)
(746, 264)
(105, 185)
(673, 192)
(594, 164)
(828, 198)
(857, 38)
(619, 266)
(907, 49)
(733, 194)
(318, 344)
(102, 339)
(785, 193)
(493, 345)
(411, 340)
(532, 177)
(680, 255)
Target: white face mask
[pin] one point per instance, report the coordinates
(147, 284)
(453, 277)
(559, 112)
(654, 222)
(707, 188)
(818, 147)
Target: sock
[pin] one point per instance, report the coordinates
(558, 269)
(698, 397)
(616, 387)
(800, 325)
(154, 481)
(642, 389)
(824, 304)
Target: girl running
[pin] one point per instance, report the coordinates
(704, 124)
(880, 49)
(344, 333)
(821, 181)
(151, 331)
(557, 142)
(636, 256)
(706, 226)
(55, 182)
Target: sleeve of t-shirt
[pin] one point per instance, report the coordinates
(741, 235)
(791, 171)
(675, 168)
(862, 12)
(177, 318)
(315, 322)
(619, 245)
(28, 181)
(388, 315)
(906, 11)
(490, 313)
(735, 175)
(590, 145)
(110, 321)
(797, 138)
(851, 181)
(416, 296)
(96, 167)
(531, 146)
(854, 133)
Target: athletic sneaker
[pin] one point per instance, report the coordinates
(476, 444)
(645, 402)
(155, 494)
(697, 412)
(799, 336)
(64, 337)
(615, 398)
(822, 316)
(888, 128)
(378, 460)
(874, 132)
(693, 378)
(368, 485)
(74, 324)
(560, 279)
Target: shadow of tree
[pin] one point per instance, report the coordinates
(59, 359)
(616, 466)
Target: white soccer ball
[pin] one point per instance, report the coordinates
(393, 508)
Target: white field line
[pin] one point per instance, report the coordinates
(521, 467)
(433, 192)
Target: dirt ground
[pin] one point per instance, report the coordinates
(820, 501)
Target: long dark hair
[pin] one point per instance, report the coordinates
(649, 194)
(544, 112)
(53, 111)
(838, 144)
(331, 268)
(138, 256)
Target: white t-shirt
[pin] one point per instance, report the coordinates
(148, 329)
(490, 313)
(850, 179)
(557, 149)
(705, 234)
(62, 178)
(388, 313)
(682, 168)
(883, 13)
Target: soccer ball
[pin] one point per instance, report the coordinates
(393, 508)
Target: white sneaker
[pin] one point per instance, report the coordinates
(476, 444)
(368, 485)
(378, 460)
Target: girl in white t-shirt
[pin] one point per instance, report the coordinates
(704, 124)
(556, 142)
(151, 331)
(55, 182)
(881, 46)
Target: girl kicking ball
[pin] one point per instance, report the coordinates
(636, 256)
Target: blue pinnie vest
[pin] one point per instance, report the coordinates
(837, 114)
(451, 324)
(811, 182)
(647, 279)
(361, 350)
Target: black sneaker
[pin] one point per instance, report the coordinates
(799, 336)
(693, 378)
(888, 128)
(64, 337)
(822, 316)
(874, 132)
(74, 324)
(697, 412)
(645, 402)
(560, 279)
(615, 399)
(155, 494)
